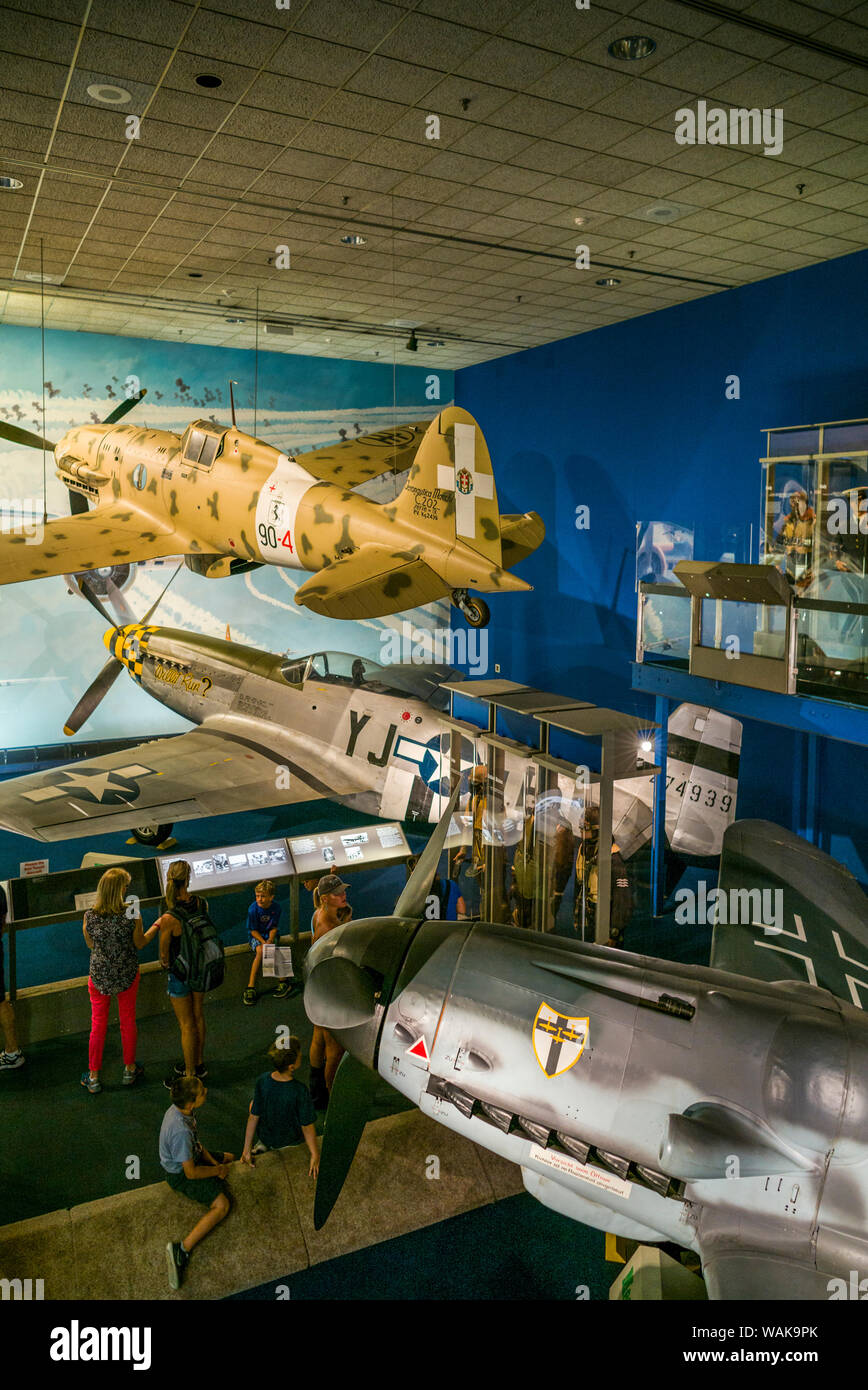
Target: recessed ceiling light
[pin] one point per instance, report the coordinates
(194, 274)
(354, 240)
(662, 211)
(108, 94)
(7, 182)
(608, 280)
(43, 279)
(234, 320)
(435, 342)
(631, 48)
(580, 221)
(208, 79)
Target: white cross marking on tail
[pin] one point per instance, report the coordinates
(479, 483)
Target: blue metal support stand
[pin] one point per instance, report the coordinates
(658, 834)
(812, 788)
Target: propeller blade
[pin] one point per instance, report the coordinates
(415, 892)
(154, 606)
(124, 407)
(350, 1106)
(77, 503)
(126, 616)
(95, 692)
(18, 436)
(86, 591)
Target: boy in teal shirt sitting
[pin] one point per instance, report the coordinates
(281, 1110)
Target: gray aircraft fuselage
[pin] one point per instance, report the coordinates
(375, 748)
(650, 1099)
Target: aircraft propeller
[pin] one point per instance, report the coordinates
(25, 437)
(15, 435)
(341, 993)
(99, 688)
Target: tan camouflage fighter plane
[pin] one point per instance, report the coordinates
(229, 502)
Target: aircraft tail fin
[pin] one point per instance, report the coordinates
(450, 492)
(701, 790)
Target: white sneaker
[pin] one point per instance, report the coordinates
(10, 1060)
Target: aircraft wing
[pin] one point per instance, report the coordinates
(356, 461)
(108, 535)
(373, 581)
(799, 915)
(206, 772)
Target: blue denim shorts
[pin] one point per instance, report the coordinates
(176, 989)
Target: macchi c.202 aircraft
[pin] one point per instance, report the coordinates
(228, 502)
(342, 727)
(722, 1108)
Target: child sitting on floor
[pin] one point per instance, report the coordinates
(281, 1110)
(191, 1170)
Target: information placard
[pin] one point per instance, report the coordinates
(220, 868)
(333, 850)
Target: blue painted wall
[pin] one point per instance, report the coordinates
(632, 421)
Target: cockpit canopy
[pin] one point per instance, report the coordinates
(202, 443)
(343, 668)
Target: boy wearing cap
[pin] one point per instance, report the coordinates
(332, 910)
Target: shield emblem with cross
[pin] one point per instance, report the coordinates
(558, 1040)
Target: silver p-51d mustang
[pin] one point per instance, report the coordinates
(273, 731)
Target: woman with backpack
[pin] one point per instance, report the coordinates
(113, 933)
(192, 952)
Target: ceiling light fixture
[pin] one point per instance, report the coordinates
(353, 239)
(9, 183)
(234, 320)
(632, 48)
(208, 79)
(108, 94)
(194, 274)
(580, 221)
(609, 280)
(663, 211)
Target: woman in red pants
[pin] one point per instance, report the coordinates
(113, 932)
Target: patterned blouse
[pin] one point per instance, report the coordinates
(114, 960)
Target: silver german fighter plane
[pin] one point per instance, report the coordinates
(722, 1108)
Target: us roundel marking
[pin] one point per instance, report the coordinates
(98, 785)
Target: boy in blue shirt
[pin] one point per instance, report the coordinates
(263, 918)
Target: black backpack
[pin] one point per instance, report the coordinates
(199, 959)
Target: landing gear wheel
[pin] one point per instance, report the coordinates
(476, 611)
(151, 834)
